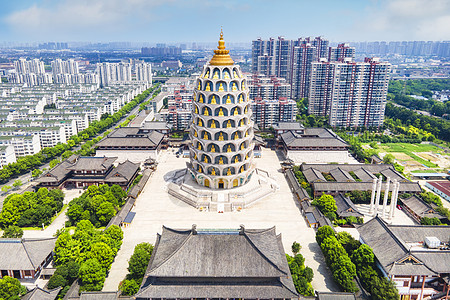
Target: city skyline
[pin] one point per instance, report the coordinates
(168, 21)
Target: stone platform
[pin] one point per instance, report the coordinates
(181, 185)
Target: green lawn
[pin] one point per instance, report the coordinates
(428, 171)
(408, 149)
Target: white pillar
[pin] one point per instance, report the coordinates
(372, 197)
(386, 193)
(396, 198)
(394, 188)
(377, 200)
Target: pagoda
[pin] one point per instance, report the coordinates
(221, 132)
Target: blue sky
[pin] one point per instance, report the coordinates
(242, 20)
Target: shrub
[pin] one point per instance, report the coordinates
(296, 247)
(129, 287)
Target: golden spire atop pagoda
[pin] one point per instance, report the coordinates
(221, 56)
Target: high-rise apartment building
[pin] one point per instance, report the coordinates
(30, 72)
(64, 67)
(343, 52)
(113, 72)
(268, 112)
(289, 59)
(122, 72)
(143, 72)
(350, 94)
(302, 56)
(268, 88)
(272, 57)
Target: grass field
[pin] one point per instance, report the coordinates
(408, 150)
(427, 171)
(403, 147)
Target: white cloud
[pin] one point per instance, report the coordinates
(82, 16)
(407, 20)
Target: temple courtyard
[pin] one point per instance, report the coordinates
(155, 208)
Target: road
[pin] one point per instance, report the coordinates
(420, 112)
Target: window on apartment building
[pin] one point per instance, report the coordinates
(405, 283)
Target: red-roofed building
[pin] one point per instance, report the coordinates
(442, 188)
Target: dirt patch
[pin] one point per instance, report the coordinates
(427, 156)
(401, 156)
(443, 161)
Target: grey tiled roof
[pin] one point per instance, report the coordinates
(40, 294)
(326, 168)
(364, 175)
(212, 265)
(124, 172)
(93, 163)
(405, 187)
(335, 296)
(345, 207)
(58, 173)
(131, 137)
(99, 296)
(288, 126)
(156, 125)
(28, 253)
(421, 208)
(341, 175)
(397, 247)
(313, 175)
(292, 139)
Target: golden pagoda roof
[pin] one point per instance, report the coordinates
(221, 56)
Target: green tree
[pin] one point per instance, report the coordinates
(10, 288)
(363, 256)
(9, 215)
(102, 253)
(12, 232)
(92, 275)
(296, 248)
(5, 188)
(105, 212)
(56, 281)
(388, 159)
(348, 242)
(115, 235)
(430, 221)
(138, 262)
(129, 287)
(72, 270)
(324, 232)
(36, 173)
(344, 272)
(384, 289)
(17, 183)
(308, 274)
(53, 163)
(326, 204)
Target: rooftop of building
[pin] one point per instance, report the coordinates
(312, 137)
(421, 208)
(92, 163)
(401, 249)
(41, 294)
(443, 186)
(28, 253)
(245, 263)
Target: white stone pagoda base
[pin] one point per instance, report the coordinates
(182, 186)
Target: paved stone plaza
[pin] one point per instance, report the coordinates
(154, 208)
